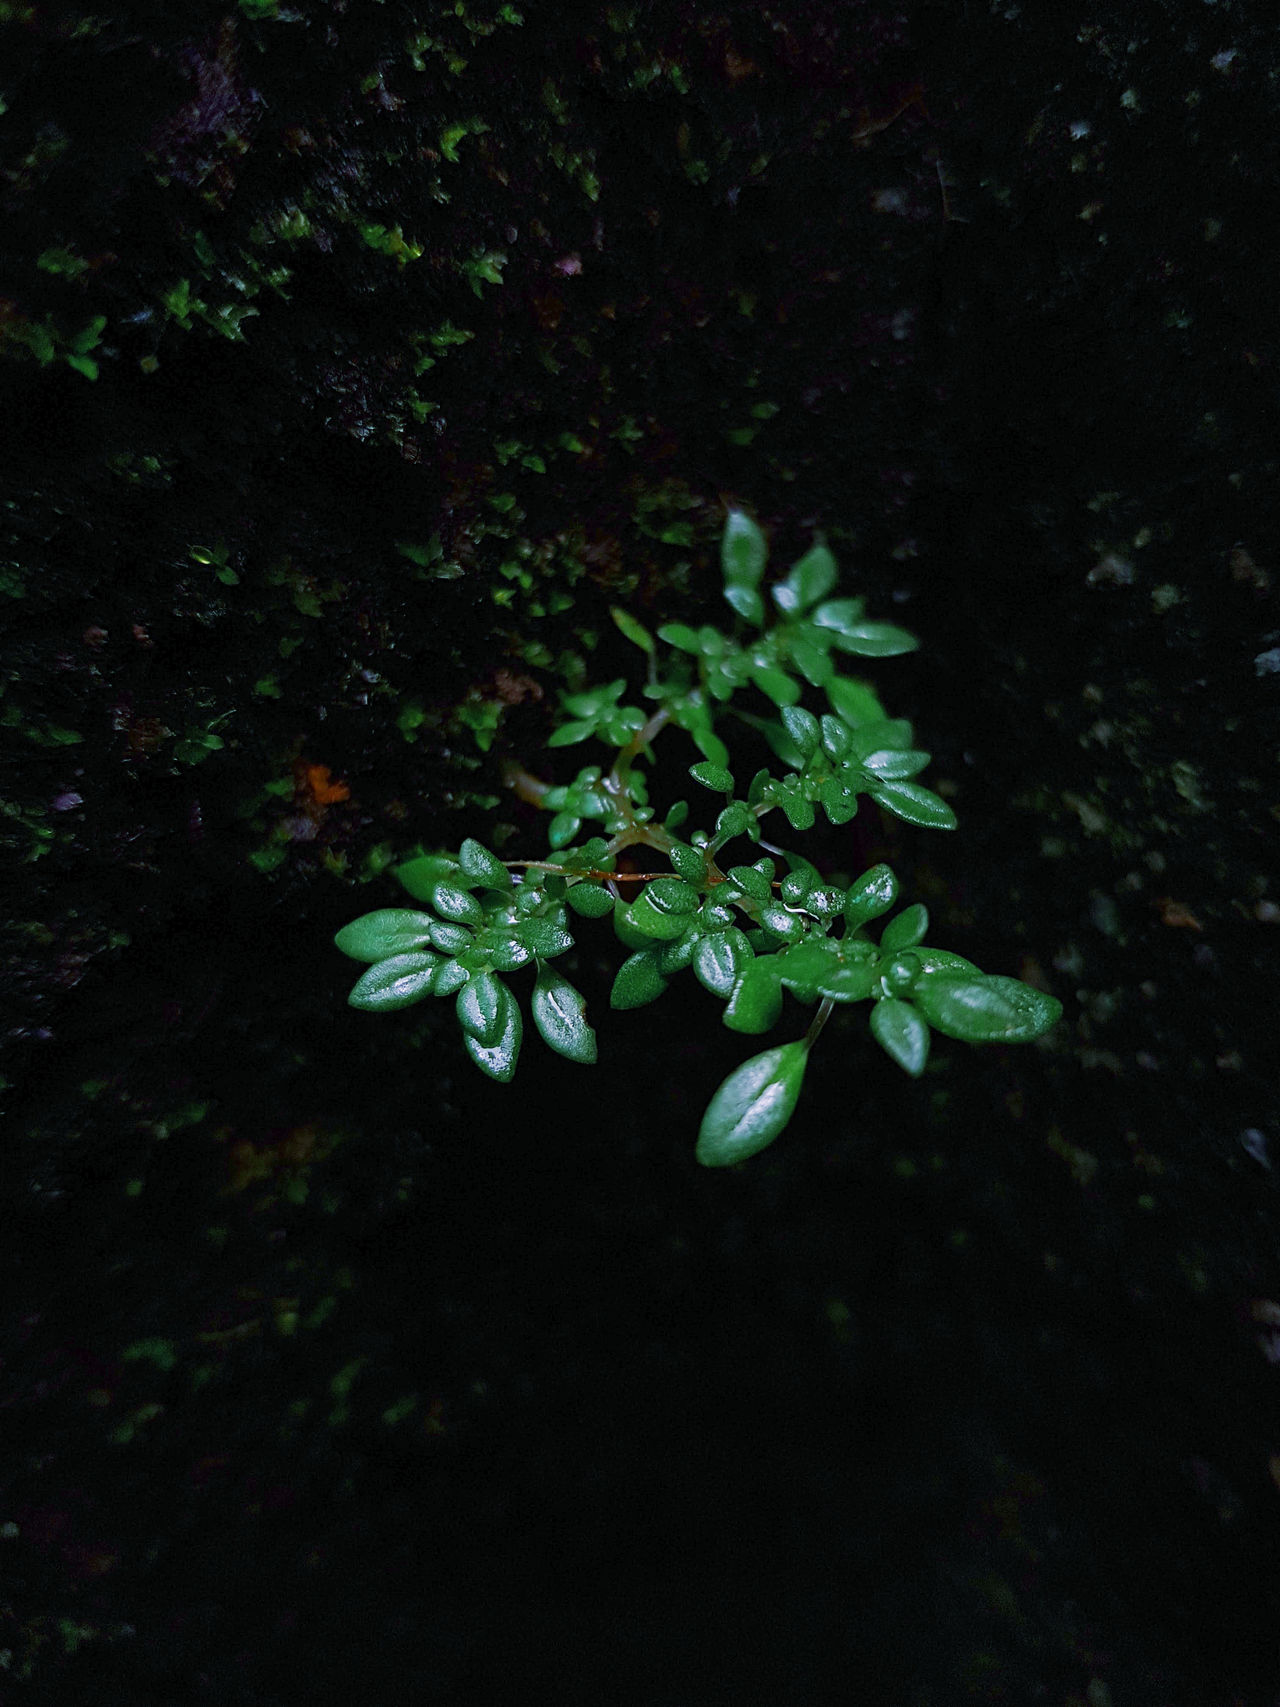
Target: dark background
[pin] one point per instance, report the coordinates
(355, 358)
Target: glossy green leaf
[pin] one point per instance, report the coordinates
(562, 829)
(798, 811)
(752, 1106)
(901, 973)
(848, 981)
(482, 1007)
(450, 939)
(894, 766)
(838, 802)
(377, 936)
(450, 975)
(902, 1034)
(813, 661)
(544, 936)
(719, 959)
(743, 552)
(856, 702)
(394, 983)
(478, 865)
(875, 639)
(709, 744)
(679, 635)
(780, 687)
(559, 1012)
(569, 734)
(665, 908)
(797, 883)
(787, 927)
(873, 894)
(635, 631)
(906, 930)
(688, 862)
(714, 777)
(674, 956)
(756, 999)
(836, 736)
(985, 1009)
(638, 980)
(591, 900)
(810, 579)
(748, 604)
(802, 967)
(803, 728)
(457, 905)
(893, 733)
(508, 953)
(934, 960)
(499, 1059)
(914, 805)
(420, 876)
(737, 819)
(751, 882)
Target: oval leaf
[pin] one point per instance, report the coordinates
(378, 936)
(986, 1009)
(902, 1034)
(719, 959)
(482, 1007)
(914, 805)
(559, 1012)
(906, 930)
(756, 1000)
(638, 980)
(590, 899)
(752, 1106)
(481, 866)
(394, 983)
(742, 551)
(499, 1059)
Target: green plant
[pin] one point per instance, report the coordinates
(748, 930)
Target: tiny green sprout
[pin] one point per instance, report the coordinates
(752, 920)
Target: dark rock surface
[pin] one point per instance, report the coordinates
(355, 358)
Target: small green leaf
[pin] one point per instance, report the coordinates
(873, 894)
(457, 905)
(420, 876)
(809, 580)
(569, 734)
(664, 909)
(856, 702)
(737, 819)
(838, 802)
(787, 927)
(635, 631)
(874, 639)
(499, 1059)
(508, 954)
(562, 829)
(482, 1007)
(751, 882)
(592, 900)
(394, 983)
(559, 1012)
(803, 728)
(681, 636)
(798, 811)
(756, 999)
(752, 1106)
(674, 956)
(709, 743)
(714, 777)
(478, 865)
(839, 615)
(378, 936)
(803, 966)
(848, 981)
(450, 975)
(902, 1034)
(780, 687)
(986, 1009)
(901, 974)
(450, 939)
(719, 959)
(544, 936)
(743, 552)
(836, 737)
(638, 980)
(748, 604)
(914, 805)
(895, 733)
(906, 930)
(895, 766)
(934, 960)
(688, 862)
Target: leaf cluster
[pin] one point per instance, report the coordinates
(748, 929)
